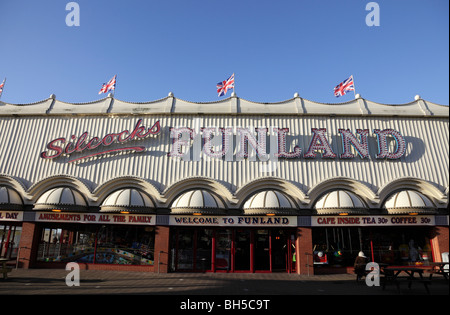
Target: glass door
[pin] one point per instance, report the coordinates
(192, 250)
(279, 251)
(223, 250)
(203, 250)
(185, 250)
(262, 250)
(242, 251)
(283, 250)
(9, 240)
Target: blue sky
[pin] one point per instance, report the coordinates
(275, 49)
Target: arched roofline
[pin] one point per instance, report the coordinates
(427, 188)
(14, 183)
(123, 182)
(219, 190)
(271, 183)
(360, 189)
(38, 188)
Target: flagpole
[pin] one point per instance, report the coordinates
(354, 86)
(234, 85)
(115, 86)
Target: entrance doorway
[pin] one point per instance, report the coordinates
(233, 250)
(192, 250)
(9, 240)
(242, 250)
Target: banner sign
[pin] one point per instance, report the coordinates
(11, 216)
(373, 220)
(103, 218)
(225, 221)
(233, 221)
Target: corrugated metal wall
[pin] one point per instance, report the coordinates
(22, 139)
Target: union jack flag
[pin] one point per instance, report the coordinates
(224, 86)
(1, 87)
(344, 87)
(111, 85)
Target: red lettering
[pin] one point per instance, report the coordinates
(68, 150)
(80, 141)
(90, 146)
(137, 128)
(348, 220)
(108, 139)
(326, 220)
(119, 218)
(53, 147)
(119, 136)
(150, 130)
(80, 144)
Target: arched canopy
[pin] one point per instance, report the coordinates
(409, 202)
(340, 202)
(269, 202)
(61, 199)
(197, 202)
(10, 199)
(128, 200)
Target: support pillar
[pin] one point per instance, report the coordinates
(162, 241)
(439, 241)
(304, 258)
(28, 246)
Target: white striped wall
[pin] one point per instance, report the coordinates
(23, 138)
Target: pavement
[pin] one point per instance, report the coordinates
(99, 282)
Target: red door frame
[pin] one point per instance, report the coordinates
(290, 266)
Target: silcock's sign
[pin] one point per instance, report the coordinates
(216, 142)
(82, 144)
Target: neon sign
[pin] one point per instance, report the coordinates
(65, 147)
(183, 138)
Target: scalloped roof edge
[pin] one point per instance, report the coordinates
(230, 105)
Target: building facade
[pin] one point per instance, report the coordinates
(227, 186)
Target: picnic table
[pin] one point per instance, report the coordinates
(438, 268)
(414, 274)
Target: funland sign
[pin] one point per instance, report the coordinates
(215, 142)
(239, 221)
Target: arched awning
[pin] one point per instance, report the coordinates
(61, 199)
(128, 200)
(198, 202)
(409, 202)
(10, 199)
(340, 202)
(269, 202)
